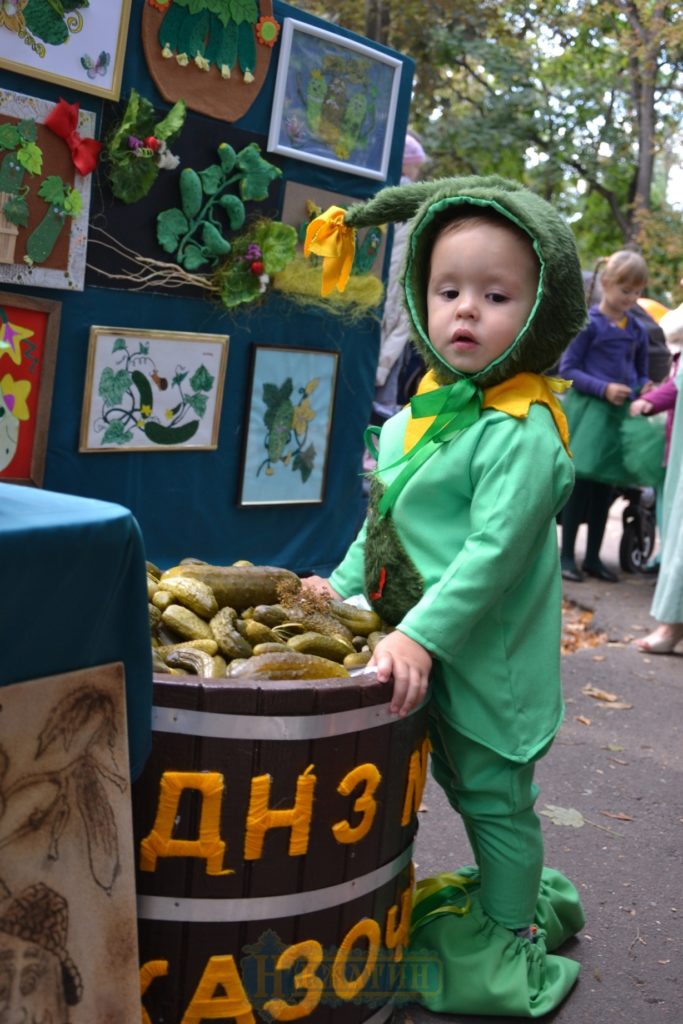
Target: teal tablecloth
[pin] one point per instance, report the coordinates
(74, 595)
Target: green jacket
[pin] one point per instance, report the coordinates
(477, 521)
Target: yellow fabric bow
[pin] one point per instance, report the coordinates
(513, 396)
(328, 236)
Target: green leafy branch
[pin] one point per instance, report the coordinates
(132, 171)
(194, 232)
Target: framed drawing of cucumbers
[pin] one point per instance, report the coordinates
(78, 45)
(335, 101)
(287, 437)
(152, 390)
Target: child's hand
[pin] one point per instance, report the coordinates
(617, 393)
(319, 585)
(641, 407)
(409, 663)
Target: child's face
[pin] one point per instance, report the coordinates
(618, 297)
(482, 287)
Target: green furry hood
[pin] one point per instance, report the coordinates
(559, 312)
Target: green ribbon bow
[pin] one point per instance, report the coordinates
(455, 407)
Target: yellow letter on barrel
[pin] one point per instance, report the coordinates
(262, 817)
(207, 1005)
(417, 779)
(312, 952)
(148, 972)
(346, 987)
(209, 846)
(365, 804)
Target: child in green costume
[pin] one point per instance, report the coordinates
(459, 553)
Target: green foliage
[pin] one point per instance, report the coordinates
(131, 176)
(45, 19)
(114, 385)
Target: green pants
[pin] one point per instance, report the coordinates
(495, 798)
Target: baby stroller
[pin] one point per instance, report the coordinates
(639, 523)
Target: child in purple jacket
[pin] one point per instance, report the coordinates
(608, 364)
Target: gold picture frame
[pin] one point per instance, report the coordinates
(93, 60)
(152, 390)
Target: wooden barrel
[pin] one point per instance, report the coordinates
(274, 824)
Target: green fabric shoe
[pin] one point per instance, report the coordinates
(461, 961)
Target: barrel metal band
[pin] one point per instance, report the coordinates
(266, 908)
(213, 725)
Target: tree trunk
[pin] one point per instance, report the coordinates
(377, 20)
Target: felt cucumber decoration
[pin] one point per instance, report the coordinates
(64, 202)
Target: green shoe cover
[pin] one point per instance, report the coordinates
(558, 911)
(461, 961)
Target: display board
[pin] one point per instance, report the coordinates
(188, 235)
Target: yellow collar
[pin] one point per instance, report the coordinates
(513, 396)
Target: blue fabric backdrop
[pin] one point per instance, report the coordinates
(187, 502)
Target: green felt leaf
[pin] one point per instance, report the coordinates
(198, 402)
(227, 156)
(201, 379)
(73, 202)
(30, 157)
(243, 10)
(114, 385)
(171, 224)
(238, 286)
(116, 433)
(119, 344)
(193, 258)
(132, 178)
(16, 211)
(278, 245)
(258, 173)
(9, 136)
(234, 207)
(170, 125)
(52, 189)
(212, 178)
(28, 129)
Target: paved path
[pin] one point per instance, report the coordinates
(606, 761)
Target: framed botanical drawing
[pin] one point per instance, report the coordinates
(152, 390)
(44, 200)
(335, 101)
(29, 332)
(288, 428)
(79, 45)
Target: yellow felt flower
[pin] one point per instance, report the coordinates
(14, 394)
(303, 414)
(328, 236)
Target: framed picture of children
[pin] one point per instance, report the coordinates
(78, 45)
(288, 427)
(152, 390)
(29, 332)
(335, 101)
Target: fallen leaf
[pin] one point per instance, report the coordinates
(564, 815)
(598, 657)
(618, 760)
(616, 748)
(593, 691)
(616, 705)
(663, 961)
(583, 720)
(619, 816)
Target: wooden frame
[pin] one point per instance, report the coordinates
(63, 266)
(91, 62)
(335, 101)
(287, 437)
(27, 370)
(152, 390)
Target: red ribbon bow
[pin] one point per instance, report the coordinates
(63, 121)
